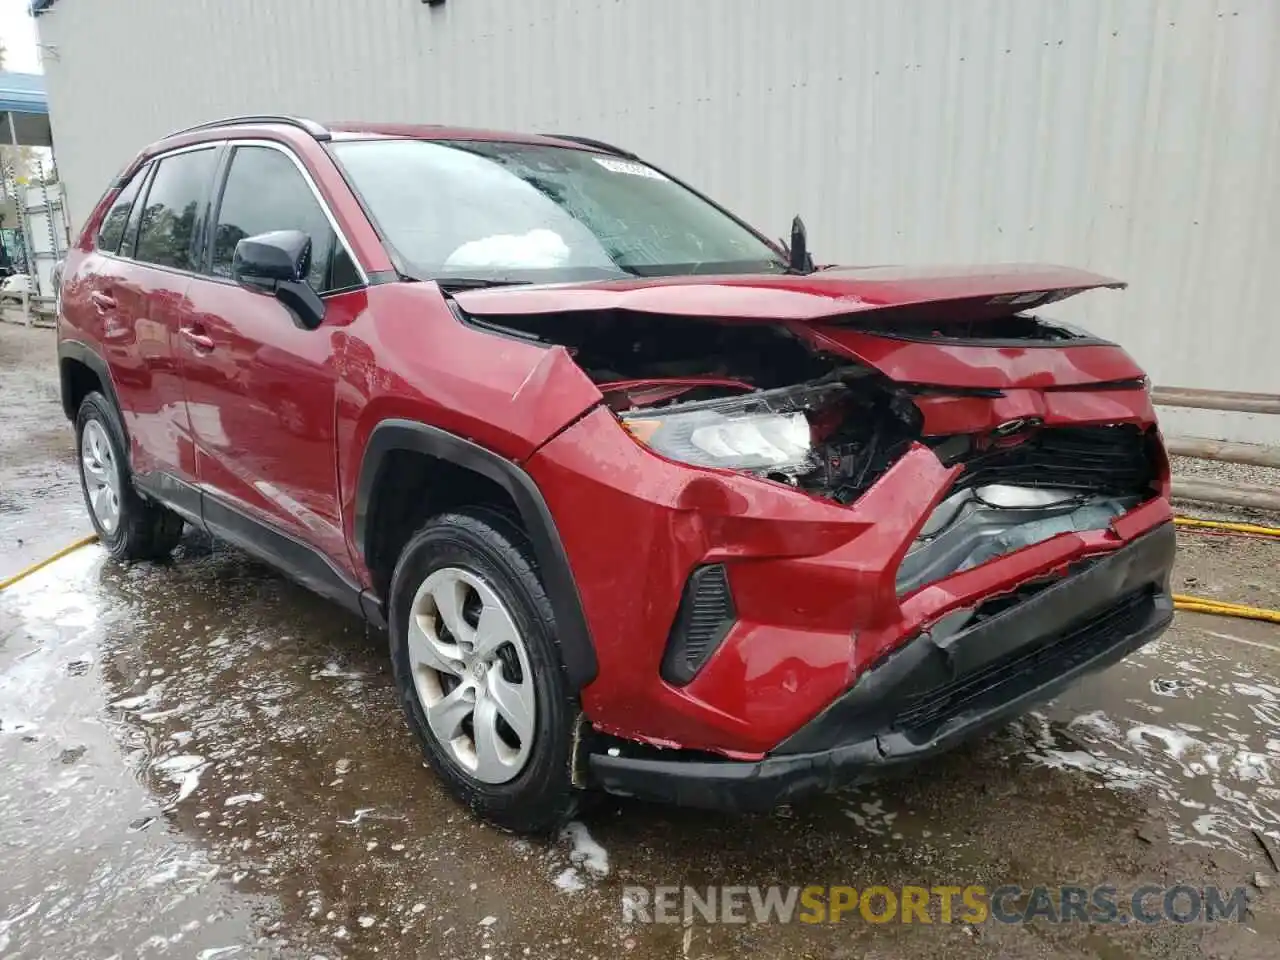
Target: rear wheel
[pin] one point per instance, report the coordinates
(130, 527)
(479, 673)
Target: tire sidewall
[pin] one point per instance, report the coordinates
(535, 798)
(96, 407)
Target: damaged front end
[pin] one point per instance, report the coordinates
(751, 398)
(978, 524)
(824, 524)
(803, 500)
(829, 437)
(804, 407)
(835, 436)
(1049, 482)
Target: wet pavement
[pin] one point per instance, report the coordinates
(39, 489)
(203, 760)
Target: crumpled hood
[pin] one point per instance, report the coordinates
(893, 292)
(853, 312)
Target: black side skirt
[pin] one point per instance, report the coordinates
(297, 560)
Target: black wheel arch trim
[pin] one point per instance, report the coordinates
(572, 633)
(83, 353)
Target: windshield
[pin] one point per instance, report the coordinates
(511, 211)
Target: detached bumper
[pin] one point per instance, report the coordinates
(932, 693)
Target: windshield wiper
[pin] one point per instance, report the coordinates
(474, 283)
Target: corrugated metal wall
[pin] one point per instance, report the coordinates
(1139, 138)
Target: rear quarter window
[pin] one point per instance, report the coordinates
(112, 230)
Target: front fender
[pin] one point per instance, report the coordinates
(573, 635)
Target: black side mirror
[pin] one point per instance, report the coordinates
(278, 262)
(801, 260)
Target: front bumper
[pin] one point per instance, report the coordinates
(930, 694)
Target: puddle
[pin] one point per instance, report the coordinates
(210, 748)
(1195, 723)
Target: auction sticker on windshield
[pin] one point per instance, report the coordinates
(628, 166)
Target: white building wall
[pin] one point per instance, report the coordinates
(1138, 138)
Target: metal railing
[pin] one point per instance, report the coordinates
(1255, 495)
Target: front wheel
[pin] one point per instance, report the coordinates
(479, 673)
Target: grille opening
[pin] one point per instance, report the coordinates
(1114, 460)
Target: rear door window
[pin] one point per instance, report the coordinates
(265, 191)
(173, 215)
(112, 230)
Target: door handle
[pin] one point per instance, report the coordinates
(199, 341)
(102, 301)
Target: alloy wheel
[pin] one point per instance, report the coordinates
(101, 475)
(472, 674)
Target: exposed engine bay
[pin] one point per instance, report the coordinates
(757, 398)
(749, 397)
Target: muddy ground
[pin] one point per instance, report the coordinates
(202, 760)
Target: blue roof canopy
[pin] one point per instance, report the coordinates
(24, 110)
(23, 93)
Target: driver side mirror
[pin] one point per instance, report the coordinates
(279, 262)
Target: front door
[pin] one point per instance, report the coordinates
(260, 389)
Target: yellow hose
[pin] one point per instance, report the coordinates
(1247, 613)
(1223, 608)
(1251, 528)
(1182, 601)
(70, 548)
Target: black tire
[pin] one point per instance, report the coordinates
(541, 797)
(145, 530)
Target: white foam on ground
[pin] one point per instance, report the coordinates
(569, 881)
(1118, 776)
(583, 850)
(1215, 760)
(1174, 742)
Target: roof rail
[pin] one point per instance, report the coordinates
(319, 131)
(597, 144)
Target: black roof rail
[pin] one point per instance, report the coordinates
(317, 130)
(597, 144)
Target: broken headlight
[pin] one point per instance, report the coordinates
(766, 432)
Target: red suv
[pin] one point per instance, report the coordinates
(645, 501)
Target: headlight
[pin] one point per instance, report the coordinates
(766, 432)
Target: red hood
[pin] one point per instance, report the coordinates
(835, 292)
(818, 307)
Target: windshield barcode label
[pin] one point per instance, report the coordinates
(628, 166)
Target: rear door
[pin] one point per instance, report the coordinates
(260, 389)
(137, 285)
